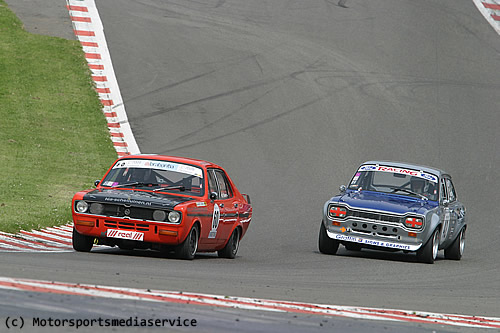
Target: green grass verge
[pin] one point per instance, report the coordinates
(53, 135)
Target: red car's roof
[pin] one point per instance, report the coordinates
(177, 159)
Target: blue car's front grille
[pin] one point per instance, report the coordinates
(374, 216)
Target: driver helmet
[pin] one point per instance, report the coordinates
(417, 184)
(140, 175)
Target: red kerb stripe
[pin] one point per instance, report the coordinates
(92, 56)
(121, 153)
(78, 8)
(80, 19)
(44, 237)
(116, 135)
(495, 17)
(491, 6)
(18, 245)
(99, 78)
(110, 114)
(84, 33)
(92, 66)
(89, 44)
(120, 144)
(106, 102)
(113, 125)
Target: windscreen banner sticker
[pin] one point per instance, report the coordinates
(160, 165)
(420, 174)
(215, 222)
(132, 235)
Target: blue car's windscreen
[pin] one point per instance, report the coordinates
(396, 180)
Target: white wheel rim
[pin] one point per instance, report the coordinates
(193, 241)
(435, 244)
(462, 241)
(236, 241)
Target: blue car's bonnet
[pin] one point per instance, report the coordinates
(391, 203)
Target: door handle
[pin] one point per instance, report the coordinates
(222, 205)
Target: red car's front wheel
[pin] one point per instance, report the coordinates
(82, 243)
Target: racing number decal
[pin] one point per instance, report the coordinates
(215, 222)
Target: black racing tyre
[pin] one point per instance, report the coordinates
(326, 245)
(428, 253)
(353, 246)
(456, 249)
(82, 243)
(187, 249)
(229, 251)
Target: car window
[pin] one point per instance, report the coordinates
(451, 190)
(442, 192)
(212, 183)
(224, 186)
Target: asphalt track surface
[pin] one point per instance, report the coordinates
(290, 97)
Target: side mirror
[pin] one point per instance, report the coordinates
(342, 189)
(97, 182)
(213, 196)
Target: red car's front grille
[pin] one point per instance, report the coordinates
(127, 225)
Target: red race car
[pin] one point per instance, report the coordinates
(162, 203)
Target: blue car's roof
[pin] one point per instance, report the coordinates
(428, 169)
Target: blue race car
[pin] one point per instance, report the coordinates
(396, 207)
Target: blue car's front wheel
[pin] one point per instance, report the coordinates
(428, 253)
(326, 244)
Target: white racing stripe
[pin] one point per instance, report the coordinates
(251, 303)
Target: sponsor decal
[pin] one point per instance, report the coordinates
(128, 201)
(160, 165)
(201, 204)
(215, 222)
(420, 174)
(132, 235)
(356, 177)
(373, 242)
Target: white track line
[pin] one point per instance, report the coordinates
(250, 303)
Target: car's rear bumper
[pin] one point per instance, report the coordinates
(372, 240)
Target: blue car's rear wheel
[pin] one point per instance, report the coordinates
(456, 249)
(326, 244)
